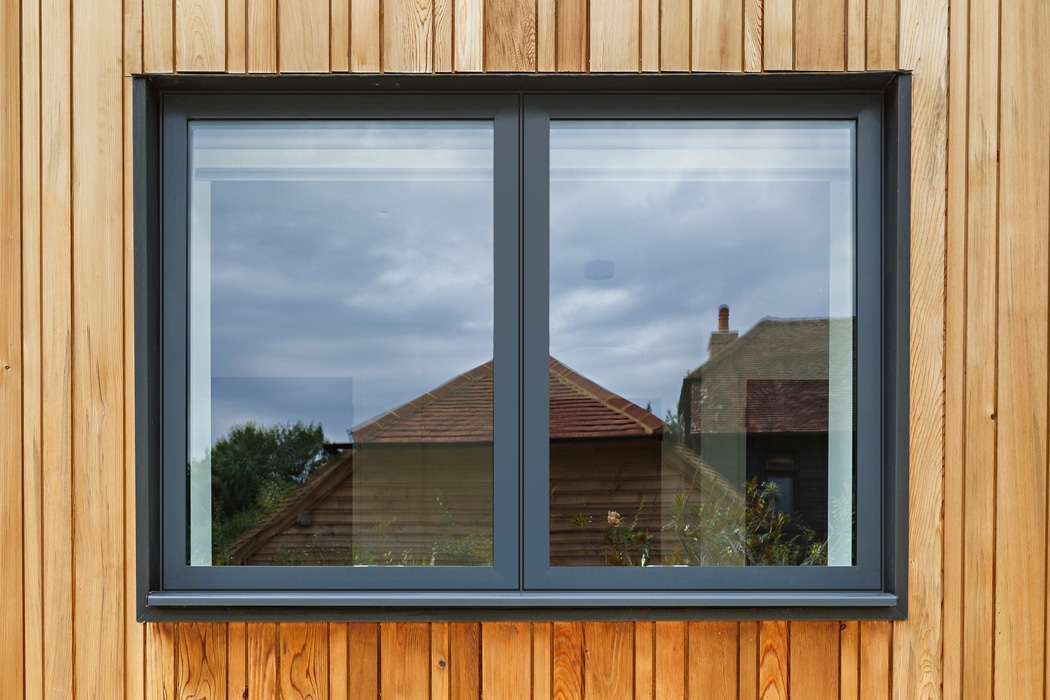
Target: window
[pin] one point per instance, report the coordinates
(615, 343)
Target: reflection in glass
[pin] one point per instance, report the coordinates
(670, 423)
(340, 272)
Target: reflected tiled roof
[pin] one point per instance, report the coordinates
(460, 411)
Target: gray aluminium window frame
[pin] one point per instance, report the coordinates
(168, 590)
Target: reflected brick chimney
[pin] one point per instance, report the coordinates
(723, 336)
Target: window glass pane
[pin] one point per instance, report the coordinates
(701, 320)
(341, 337)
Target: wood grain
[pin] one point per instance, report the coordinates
(302, 30)
(773, 660)
(675, 31)
(917, 660)
(201, 663)
(572, 36)
(856, 34)
(883, 34)
(510, 35)
(753, 35)
(160, 660)
(262, 660)
(849, 660)
(814, 661)
(12, 651)
(303, 665)
(365, 36)
(981, 208)
(820, 35)
(444, 49)
(876, 644)
(718, 35)
(506, 653)
(649, 35)
(200, 35)
(338, 657)
(1021, 454)
(748, 648)
(262, 36)
(778, 34)
(465, 660)
(98, 349)
(236, 660)
(236, 36)
(408, 36)
(339, 37)
(405, 653)
(567, 661)
(614, 31)
(132, 33)
(609, 660)
(440, 654)
(546, 35)
(672, 668)
(158, 35)
(364, 660)
(644, 660)
(713, 660)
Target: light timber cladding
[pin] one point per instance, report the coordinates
(979, 324)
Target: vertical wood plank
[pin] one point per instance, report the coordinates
(778, 34)
(363, 664)
(814, 660)
(718, 35)
(302, 33)
(567, 661)
(856, 34)
(338, 654)
(365, 44)
(609, 660)
(541, 660)
(1021, 481)
(405, 653)
(650, 35)
(572, 36)
(262, 36)
(876, 647)
(262, 660)
(132, 35)
(506, 660)
(160, 660)
(12, 372)
(510, 35)
(236, 36)
(820, 35)
(470, 35)
(201, 665)
(339, 38)
(644, 651)
(675, 33)
(614, 34)
(407, 36)
(924, 49)
(443, 35)
(713, 660)
(546, 35)
(748, 681)
(200, 35)
(753, 35)
(981, 207)
(303, 664)
(158, 36)
(882, 34)
(98, 349)
(849, 660)
(955, 541)
(672, 665)
(465, 660)
(439, 661)
(773, 660)
(237, 661)
(56, 221)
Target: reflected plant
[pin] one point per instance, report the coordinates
(627, 544)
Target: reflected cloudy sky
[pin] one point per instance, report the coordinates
(351, 269)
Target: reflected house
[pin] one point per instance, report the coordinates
(415, 486)
(758, 408)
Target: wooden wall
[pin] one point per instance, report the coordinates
(981, 217)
